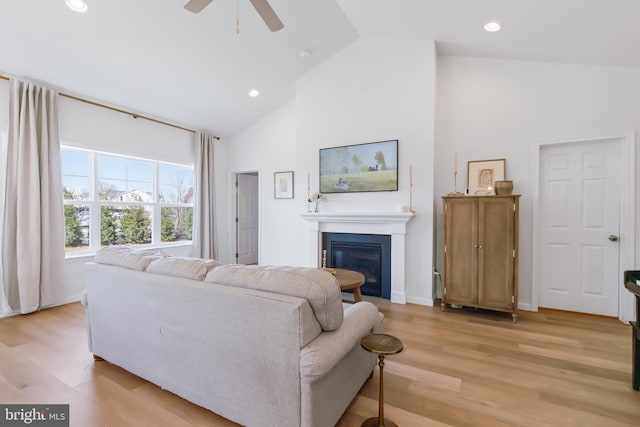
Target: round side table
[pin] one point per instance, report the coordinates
(382, 345)
(348, 279)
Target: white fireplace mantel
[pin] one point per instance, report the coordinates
(393, 224)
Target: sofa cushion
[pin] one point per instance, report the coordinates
(122, 256)
(189, 268)
(318, 287)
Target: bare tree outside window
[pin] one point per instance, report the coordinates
(176, 221)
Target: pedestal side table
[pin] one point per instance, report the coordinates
(382, 345)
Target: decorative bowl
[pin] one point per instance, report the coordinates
(503, 188)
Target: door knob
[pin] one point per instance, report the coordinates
(613, 237)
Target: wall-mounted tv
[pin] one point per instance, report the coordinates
(359, 168)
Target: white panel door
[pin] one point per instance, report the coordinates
(579, 224)
(247, 219)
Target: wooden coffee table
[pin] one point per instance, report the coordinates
(349, 279)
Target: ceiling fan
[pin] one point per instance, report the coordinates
(263, 8)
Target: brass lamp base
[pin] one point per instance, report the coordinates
(373, 422)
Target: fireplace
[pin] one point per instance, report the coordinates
(392, 224)
(369, 254)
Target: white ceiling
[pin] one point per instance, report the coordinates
(153, 57)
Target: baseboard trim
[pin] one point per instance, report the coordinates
(526, 307)
(398, 297)
(420, 301)
(63, 301)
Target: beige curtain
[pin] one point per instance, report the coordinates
(204, 234)
(33, 223)
(4, 304)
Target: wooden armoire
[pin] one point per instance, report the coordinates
(481, 252)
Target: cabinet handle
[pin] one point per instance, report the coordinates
(475, 246)
(479, 246)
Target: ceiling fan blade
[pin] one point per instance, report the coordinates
(268, 15)
(196, 6)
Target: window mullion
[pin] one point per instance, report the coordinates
(94, 207)
(155, 220)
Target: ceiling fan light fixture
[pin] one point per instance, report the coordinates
(79, 6)
(263, 8)
(492, 27)
(253, 93)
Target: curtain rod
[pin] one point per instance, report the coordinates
(135, 116)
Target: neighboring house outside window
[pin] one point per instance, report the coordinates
(110, 199)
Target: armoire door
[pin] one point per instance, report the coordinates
(461, 234)
(496, 252)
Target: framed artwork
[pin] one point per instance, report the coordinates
(359, 168)
(482, 175)
(283, 185)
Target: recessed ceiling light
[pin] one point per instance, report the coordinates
(492, 27)
(79, 6)
(253, 93)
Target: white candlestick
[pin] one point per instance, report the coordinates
(455, 163)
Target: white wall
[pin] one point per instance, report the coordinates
(269, 146)
(373, 90)
(489, 109)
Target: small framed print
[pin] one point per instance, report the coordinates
(283, 185)
(482, 175)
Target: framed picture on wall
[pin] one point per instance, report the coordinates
(283, 185)
(359, 168)
(482, 175)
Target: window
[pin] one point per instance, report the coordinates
(111, 199)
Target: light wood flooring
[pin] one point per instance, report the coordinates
(459, 368)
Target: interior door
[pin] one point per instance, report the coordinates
(247, 218)
(579, 224)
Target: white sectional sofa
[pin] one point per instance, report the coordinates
(261, 346)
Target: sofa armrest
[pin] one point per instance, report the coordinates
(323, 353)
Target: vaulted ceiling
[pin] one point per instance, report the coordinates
(155, 58)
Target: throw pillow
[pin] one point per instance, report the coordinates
(190, 268)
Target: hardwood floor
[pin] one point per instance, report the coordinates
(459, 368)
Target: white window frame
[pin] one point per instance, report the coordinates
(95, 204)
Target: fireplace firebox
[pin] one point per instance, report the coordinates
(369, 254)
